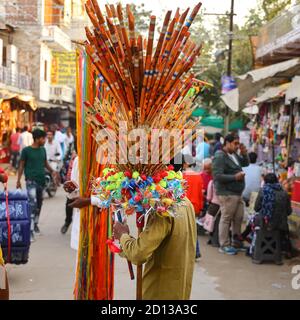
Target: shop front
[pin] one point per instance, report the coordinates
(16, 111)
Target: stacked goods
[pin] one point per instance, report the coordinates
(149, 86)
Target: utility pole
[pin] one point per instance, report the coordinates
(229, 63)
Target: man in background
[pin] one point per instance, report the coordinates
(15, 148)
(33, 162)
(26, 138)
(253, 177)
(229, 180)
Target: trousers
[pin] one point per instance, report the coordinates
(232, 213)
(35, 199)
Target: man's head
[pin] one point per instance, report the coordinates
(18, 130)
(207, 165)
(50, 136)
(188, 161)
(39, 137)
(25, 129)
(231, 143)
(271, 178)
(252, 157)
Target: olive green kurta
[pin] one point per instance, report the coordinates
(168, 246)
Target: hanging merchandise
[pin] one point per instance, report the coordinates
(148, 91)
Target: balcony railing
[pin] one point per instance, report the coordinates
(15, 79)
(61, 94)
(279, 32)
(56, 38)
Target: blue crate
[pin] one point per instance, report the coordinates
(20, 226)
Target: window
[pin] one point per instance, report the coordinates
(45, 70)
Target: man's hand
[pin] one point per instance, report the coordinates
(80, 202)
(240, 176)
(119, 230)
(18, 185)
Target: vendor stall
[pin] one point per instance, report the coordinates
(16, 111)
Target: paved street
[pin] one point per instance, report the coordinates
(49, 274)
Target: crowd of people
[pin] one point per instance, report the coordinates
(34, 153)
(229, 178)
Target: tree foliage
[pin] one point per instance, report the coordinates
(272, 8)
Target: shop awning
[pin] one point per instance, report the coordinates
(218, 122)
(7, 95)
(249, 84)
(293, 92)
(271, 93)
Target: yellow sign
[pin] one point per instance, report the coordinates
(63, 68)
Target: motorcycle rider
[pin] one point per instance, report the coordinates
(53, 151)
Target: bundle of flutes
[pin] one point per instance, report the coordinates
(148, 84)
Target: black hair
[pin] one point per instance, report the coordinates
(52, 131)
(271, 178)
(252, 157)
(230, 138)
(218, 136)
(38, 133)
(18, 129)
(25, 128)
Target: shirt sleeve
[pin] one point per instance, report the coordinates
(139, 250)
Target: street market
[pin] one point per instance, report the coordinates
(149, 151)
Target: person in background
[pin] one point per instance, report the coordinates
(253, 177)
(26, 139)
(229, 180)
(218, 144)
(61, 139)
(69, 140)
(194, 190)
(273, 206)
(202, 150)
(34, 161)
(53, 151)
(15, 148)
(213, 205)
(72, 175)
(206, 173)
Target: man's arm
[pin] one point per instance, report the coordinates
(140, 250)
(20, 173)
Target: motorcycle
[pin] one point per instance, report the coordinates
(50, 184)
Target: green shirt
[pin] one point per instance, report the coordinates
(34, 159)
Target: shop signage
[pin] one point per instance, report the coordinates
(63, 68)
(228, 83)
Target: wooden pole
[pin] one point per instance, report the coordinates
(139, 270)
(290, 131)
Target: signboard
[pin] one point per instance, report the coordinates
(63, 68)
(228, 83)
